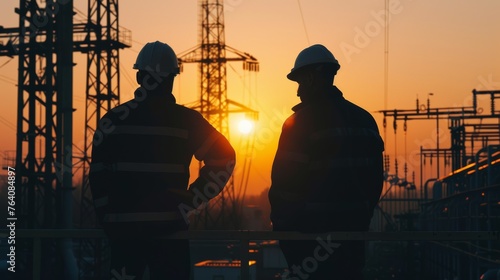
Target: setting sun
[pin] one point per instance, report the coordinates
(215, 139)
(245, 126)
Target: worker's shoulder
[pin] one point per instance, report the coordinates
(186, 111)
(358, 110)
(302, 117)
(356, 107)
(124, 111)
(187, 116)
(132, 107)
(116, 113)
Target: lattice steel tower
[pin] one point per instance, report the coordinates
(102, 42)
(44, 42)
(213, 104)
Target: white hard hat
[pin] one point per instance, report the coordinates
(159, 58)
(312, 55)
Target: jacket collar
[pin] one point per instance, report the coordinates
(140, 92)
(334, 94)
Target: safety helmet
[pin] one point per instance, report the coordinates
(312, 55)
(159, 58)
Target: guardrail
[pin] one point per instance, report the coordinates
(245, 236)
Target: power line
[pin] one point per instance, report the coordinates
(5, 63)
(386, 55)
(127, 76)
(140, 43)
(79, 12)
(303, 22)
(131, 49)
(7, 123)
(7, 80)
(82, 15)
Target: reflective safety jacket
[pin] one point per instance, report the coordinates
(141, 155)
(328, 170)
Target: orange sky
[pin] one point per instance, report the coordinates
(446, 47)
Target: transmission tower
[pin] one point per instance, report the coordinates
(38, 115)
(211, 56)
(44, 42)
(103, 40)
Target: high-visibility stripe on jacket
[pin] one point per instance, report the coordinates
(329, 154)
(142, 150)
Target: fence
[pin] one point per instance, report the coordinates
(244, 237)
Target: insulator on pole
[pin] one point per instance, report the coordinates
(492, 104)
(387, 163)
(474, 100)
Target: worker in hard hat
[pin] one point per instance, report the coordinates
(139, 173)
(327, 174)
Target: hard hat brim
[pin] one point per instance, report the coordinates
(175, 72)
(313, 55)
(292, 75)
(295, 72)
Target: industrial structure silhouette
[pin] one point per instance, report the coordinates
(465, 201)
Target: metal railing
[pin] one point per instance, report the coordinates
(245, 236)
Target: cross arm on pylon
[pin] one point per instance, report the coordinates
(10, 47)
(240, 108)
(250, 63)
(82, 41)
(242, 55)
(193, 55)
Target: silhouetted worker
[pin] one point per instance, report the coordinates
(139, 174)
(327, 174)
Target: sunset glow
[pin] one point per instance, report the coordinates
(445, 47)
(245, 126)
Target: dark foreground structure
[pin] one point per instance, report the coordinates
(464, 204)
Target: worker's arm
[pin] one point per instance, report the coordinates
(219, 159)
